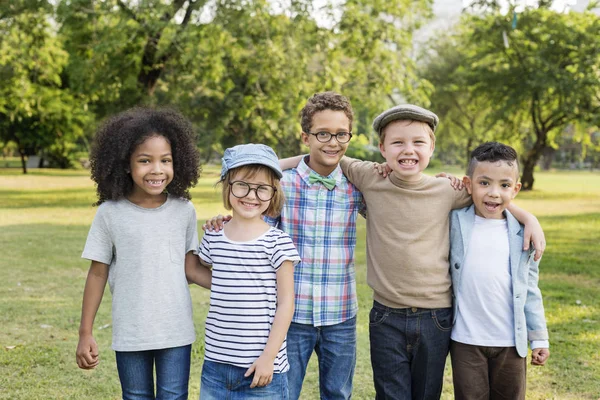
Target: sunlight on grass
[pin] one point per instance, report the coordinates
(45, 216)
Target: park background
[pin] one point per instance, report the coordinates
(524, 72)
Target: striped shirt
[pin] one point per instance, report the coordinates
(322, 225)
(243, 296)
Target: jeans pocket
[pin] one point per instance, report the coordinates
(442, 318)
(177, 251)
(377, 316)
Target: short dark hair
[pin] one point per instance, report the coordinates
(117, 138)
(321, 102)
(491, 152)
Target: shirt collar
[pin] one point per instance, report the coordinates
(304, 171)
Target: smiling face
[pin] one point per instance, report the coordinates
(325, 157)
(407, 148)
(492, 187)
(151, 169)
(250, 206)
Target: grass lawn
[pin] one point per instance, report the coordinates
(45, 217)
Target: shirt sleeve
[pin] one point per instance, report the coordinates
(462, 199)
(356, 171)
(284, 251)
(191, 236)
(204, 250)
(540, 344)
(99, 245)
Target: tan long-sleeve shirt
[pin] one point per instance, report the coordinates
(407, 236)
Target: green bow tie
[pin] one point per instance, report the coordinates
(329, 183)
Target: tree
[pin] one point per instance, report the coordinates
(463, 112)
(239, 69)
(35, 111)
(541, 74)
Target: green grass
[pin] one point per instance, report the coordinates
(44, 219)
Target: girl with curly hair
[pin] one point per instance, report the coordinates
(144, 242)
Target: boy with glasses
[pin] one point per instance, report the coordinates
(320, 216)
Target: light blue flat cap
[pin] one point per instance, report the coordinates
(245, 154)
(405, 112)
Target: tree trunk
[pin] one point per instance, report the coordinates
(531, 159)
(23, 162)
(548, 155)
(468, 151)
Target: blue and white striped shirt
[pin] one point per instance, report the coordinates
(243, 296)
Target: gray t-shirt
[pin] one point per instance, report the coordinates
(145, 249)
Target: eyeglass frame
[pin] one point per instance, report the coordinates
(250, 188)
(331, 136)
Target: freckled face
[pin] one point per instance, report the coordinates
(492, 187)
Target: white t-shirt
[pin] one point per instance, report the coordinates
(145, 249)
(243, 296)
(485, 302)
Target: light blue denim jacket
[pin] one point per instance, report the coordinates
(529, 320)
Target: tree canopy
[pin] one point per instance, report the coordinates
(529, 74)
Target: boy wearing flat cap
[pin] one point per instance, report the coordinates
(407, 255)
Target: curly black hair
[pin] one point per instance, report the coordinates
(117, 138)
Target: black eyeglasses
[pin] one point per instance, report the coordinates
(241, 189)
(324, 137)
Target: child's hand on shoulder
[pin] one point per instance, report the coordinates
(87, 352)
(262, 369)
(539, 356)
(382, 169)
(215, 223)
(455, 182)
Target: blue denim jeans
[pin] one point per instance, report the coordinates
(227, 382)
(335, 346)
(408, 351)
(136, 372)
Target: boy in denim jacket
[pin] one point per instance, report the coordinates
(498, 305)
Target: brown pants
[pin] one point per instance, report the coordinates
(487, 373)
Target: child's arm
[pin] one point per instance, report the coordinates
(289, 163)
(197, 271)
(533, 230)
(87, 349)
(263, 366)
(537, 332)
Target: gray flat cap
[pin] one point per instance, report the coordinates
(405, 111)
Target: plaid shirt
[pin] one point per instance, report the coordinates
(322, 225)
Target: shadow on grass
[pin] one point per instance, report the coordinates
(74, 197)
(43, 172)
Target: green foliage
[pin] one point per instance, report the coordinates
(243, 71)
(526, 88)
(360, 148)
(240, 70)
(36, 112)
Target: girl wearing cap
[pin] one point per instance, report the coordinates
(252, 296)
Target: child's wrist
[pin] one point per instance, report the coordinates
(85, 332)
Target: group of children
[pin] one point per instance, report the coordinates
(281, 269)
